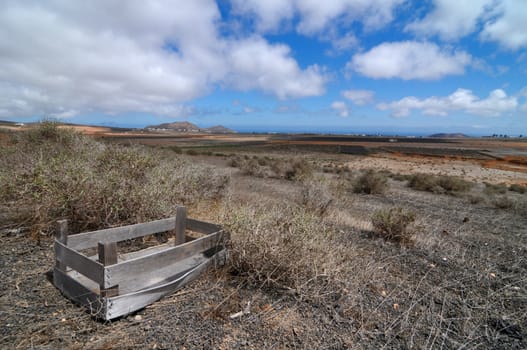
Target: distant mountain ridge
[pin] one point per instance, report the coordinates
(447, 135)
(189, 127)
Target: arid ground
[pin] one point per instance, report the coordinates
(337, 242)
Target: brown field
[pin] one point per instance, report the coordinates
(336, 242)
(480, 160)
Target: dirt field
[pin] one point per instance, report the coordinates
(461, 283)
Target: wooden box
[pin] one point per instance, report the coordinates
(111, 284)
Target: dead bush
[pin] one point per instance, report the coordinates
(370, 182)
(393, 224)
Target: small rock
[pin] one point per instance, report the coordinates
(138, 318)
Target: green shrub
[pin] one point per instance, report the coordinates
(393, 224)
(370, 182)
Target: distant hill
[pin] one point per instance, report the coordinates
(457, 135)
(189, 127)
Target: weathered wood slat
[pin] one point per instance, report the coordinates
(108, 256)
(125, 304)
(78, 293)
(126, 270)
(79, 262)
(90, 239)
(202, 226)
(181, 223)
(61, 235)
(160, 276)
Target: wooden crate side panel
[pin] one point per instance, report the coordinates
(90, 239)
(125, 304)
(160, 276)
(79, 293)
(126, 270)
(202, 226)
(79, 262)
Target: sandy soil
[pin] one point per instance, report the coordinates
(471, 170)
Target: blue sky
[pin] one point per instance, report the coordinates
(388, 66)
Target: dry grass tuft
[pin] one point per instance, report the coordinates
(393, 224)
(371, 182)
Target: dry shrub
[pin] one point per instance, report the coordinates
(50, 173)
(277, 245)
(265, 167)
(503, 202)
(316, 196)
(493, 189)
(393, 224)
(371, 182)
(518, 188)
(423, 182)
(453, 184)
(439, 184)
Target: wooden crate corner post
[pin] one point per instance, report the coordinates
(108, 256)
(181, 224)
(61, 235)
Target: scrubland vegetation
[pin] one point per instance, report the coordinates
(321, 256)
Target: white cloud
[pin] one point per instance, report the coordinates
(508, 26)
(496, 104)
(359, 97)
(314, 16)
(270, 68)
(341, 108)
(450, 19)
(409, 60)
(502, 21)
(61, 57)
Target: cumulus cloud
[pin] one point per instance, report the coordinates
(270, 68)
(409, 60)
(60, 57)
(450, 19)
(496, 104)
(508, 25)
(315, 16)
(341, 108)
(502, 21)
(359, 97)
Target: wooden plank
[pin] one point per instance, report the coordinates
(61, 235)
(108, 256)
(181, 224)
(90, 239)
(162, 275)
(202, 226)
(125, 304)
(126, 270)
(79, 293)
(79, 262)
